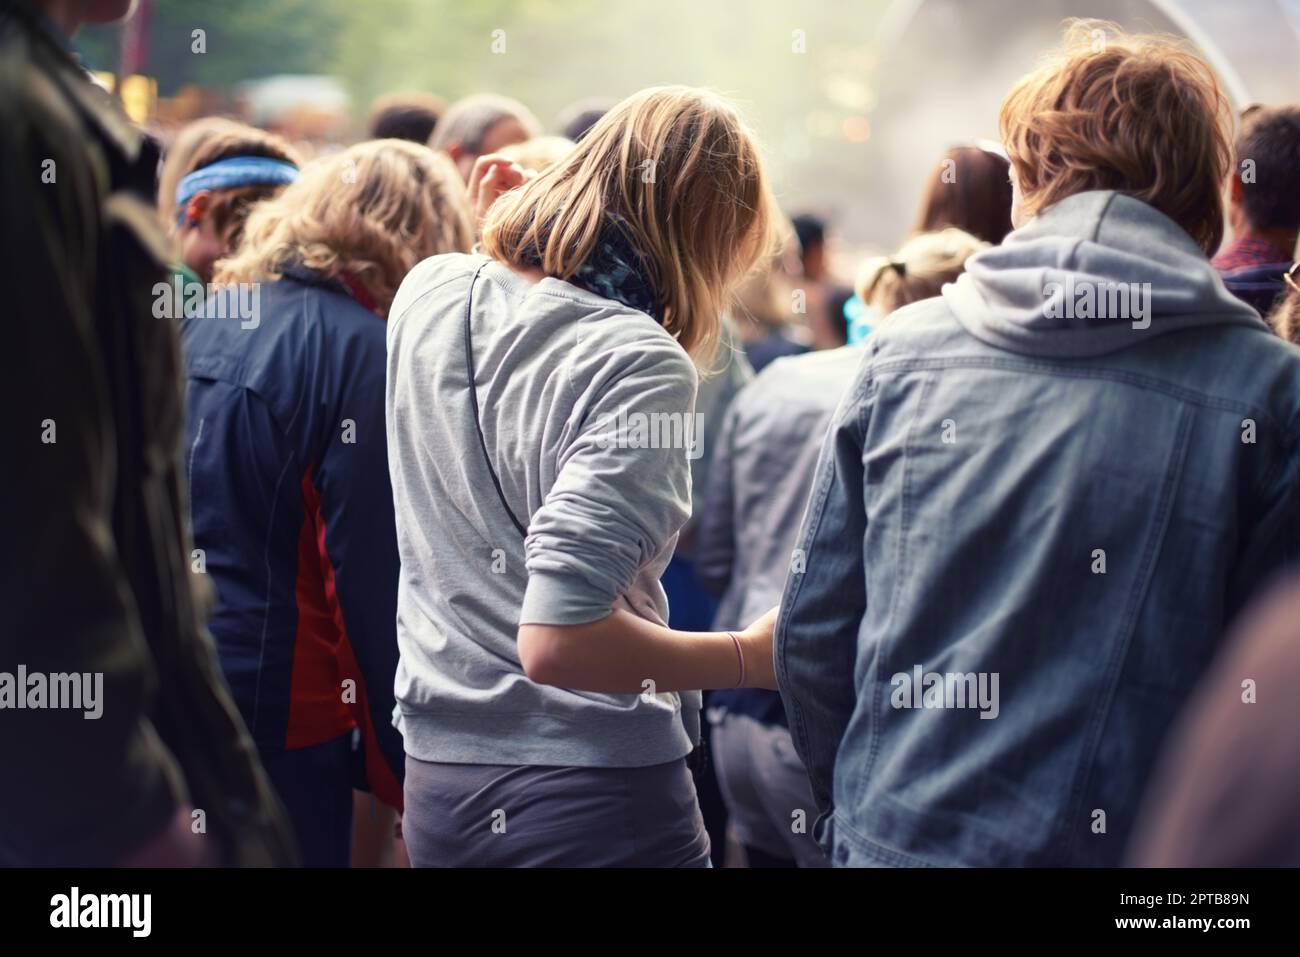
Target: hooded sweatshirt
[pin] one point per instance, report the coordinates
(1037, 508)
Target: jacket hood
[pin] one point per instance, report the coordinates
(1095, 273)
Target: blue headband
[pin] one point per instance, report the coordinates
(232, 172)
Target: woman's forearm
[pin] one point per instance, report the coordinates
(624, 654)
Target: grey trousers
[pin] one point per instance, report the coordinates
(477, 815)
(766, 789)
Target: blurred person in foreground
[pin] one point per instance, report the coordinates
(1046, 492)
(98, 582)
(288, 470)
(1263, 206)
(1227, 787)
(405, 116)
(480, 125)
(759, 485)
(546, 707)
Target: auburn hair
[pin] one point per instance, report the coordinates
(1140, 114)
(373, 211)
(682, 170)
(179, 158)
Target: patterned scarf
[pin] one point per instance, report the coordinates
(614, 270)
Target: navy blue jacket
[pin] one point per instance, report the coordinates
(287, 463)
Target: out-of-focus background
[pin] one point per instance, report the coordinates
(854, 99)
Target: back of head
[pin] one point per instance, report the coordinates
(576, 120)
(677, 173)
(540, 153)
(178, 159)
(1268, 161)
(917, 271)
(405, 116)
(230, 207)
(1138, 114)
(372, 211)
(469, 121)
(970, 189)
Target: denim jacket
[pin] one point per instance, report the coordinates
(1032, 519)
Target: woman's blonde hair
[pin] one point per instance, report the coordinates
(681, 169)
(1139, 114)
(373, 210)
(540, 153)
(917, 271)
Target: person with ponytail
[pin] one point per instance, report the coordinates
(547, 709)
(288, 471)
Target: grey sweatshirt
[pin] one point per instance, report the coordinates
(586, 409)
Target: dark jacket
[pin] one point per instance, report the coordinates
(96, 577)
(288, 468)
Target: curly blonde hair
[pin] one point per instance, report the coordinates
(373, 211)
(1139, 114)
(681, 168)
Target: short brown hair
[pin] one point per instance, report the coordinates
(681, 168)
(406, 116)
(1270, 139)
(969, 190)
(1138, 114)
(230, 207)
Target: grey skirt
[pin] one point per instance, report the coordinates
(485, 815)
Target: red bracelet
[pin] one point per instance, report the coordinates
(741, 656)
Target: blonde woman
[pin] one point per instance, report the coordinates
(288, 471)
(547, 710)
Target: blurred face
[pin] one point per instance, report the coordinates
(201, 247)
(506, 131)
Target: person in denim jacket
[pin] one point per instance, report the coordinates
(1046, 494)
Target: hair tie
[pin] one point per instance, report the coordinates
(232, 172)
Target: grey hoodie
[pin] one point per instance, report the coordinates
(1099, 241)
(586, 410)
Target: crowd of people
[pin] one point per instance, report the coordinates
(471, 496)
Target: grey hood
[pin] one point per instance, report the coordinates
(1073, 282)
